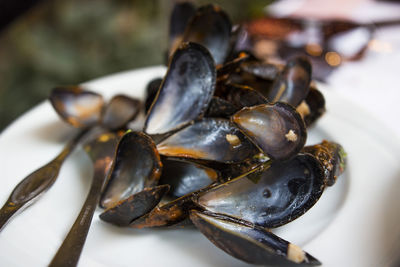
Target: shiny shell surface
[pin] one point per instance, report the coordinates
(76, 106)
(276, 128)
(185, 91)
(136, 165)
(209, 139)
(269, 196)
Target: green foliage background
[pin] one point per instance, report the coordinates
(71, 41)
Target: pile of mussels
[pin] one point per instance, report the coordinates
(222, 145)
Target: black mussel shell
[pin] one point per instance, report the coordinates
(262, 70)
(261, 85)
(313, 107)
(119, 111)
(210, 27)
(243, 96)
(180, 16)
(136, 165)
(209, 139)
(254, 245)
(234, 64)
(172, 213)
(185, 177)
(276, 128)
(293, 83)
(127, 210)
(332, 157)
(76, 106)
(151, 92)
(220, 108)
(270, 196)
(185, 92)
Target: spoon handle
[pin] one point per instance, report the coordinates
(36, 183)
(69, 252)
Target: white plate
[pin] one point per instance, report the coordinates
(356, 222)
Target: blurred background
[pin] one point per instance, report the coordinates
(48, 43)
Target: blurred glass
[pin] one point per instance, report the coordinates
(328, 43)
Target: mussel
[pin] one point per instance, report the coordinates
(185, 91)
(227, 140)
(209, 139)
(83, 108)
(293, 83)
(76, 106)
(251, 244)
(136, 165)
(184, 176)
(276, 128)
(332, 156)
(211, 27)
(270, 195)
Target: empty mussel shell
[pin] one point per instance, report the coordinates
(185, 177)
(127, 210)
(313, 107)
(292, 84)
(119, 111)
(251, 244)
(267, 71)
(136, 165)
(332, 157)
(276, 128)
(271, 195)
(210, 27)
(210, 139)
(182, 12)
(76, 106)
(185, 92)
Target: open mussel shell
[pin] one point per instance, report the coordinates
(185, 92)
(254, 245)
(261, 70)
(276, 128)
(119, 111)
(332, 157)
(271, 195)
(293, 83)
(185, 177)
(210, 27)
(180, 16)
(313, 107)
(127, 210)
(136, 165)
(210, 139)
(76, 106)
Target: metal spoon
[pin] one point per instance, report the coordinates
(36, 183)
(81, 109)
(101, 151)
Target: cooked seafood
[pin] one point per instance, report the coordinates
(222, 146)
